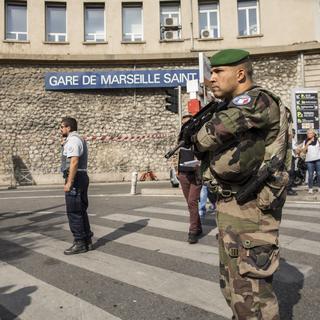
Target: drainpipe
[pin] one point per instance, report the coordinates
(191, 25)
(302, 69)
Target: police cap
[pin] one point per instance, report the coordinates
(229, 57)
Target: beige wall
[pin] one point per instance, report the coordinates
(283, 23)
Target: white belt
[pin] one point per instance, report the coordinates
(82, 170)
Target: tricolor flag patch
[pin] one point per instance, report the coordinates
(241, 100)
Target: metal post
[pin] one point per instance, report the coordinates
(134, 179)
(302, 69)
(179, 106)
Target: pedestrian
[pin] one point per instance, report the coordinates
(290, 191)
(253, 128)
(205, 194)
(311, 148)
(190, 181)
(74, 168)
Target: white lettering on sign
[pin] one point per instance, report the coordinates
(89, 79)
(118, 79)
(64, 80)
(178, 77)
(130, 79)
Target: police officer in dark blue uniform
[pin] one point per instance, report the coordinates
(74, 168)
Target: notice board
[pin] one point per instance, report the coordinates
(305, 110)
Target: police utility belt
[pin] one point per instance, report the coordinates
(66, 172)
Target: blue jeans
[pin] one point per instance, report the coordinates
(313, 166)
(203, 200)
(204, 194)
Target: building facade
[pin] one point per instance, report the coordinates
(128, 127)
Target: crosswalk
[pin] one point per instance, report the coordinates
(29, 290)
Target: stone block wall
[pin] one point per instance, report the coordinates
(126, 129)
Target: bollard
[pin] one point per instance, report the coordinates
(134, 179)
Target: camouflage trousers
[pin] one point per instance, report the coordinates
(249, 256)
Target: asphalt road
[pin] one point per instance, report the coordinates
(142, 267)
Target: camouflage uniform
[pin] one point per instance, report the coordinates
(241, 139)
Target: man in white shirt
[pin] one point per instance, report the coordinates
(74, 168)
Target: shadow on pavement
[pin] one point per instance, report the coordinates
(287, 286)
(11, 215)
(123, 231)
(17, 300)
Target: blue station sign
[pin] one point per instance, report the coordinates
(119, 79)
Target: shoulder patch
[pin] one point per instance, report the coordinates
(241, 100)
(70, 148)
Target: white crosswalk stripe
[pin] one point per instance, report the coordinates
(289, 210)
(179, 287)
(23, 288)
(193, 291)
(201, 253)
(156, 223)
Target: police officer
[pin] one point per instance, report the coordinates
(74, 168)
(253, 128)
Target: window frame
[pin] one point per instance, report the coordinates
(53, 4)
(217, 11)
(94, 5)
(20, 4)
(133, 35)
(170, 15)
(246, 9)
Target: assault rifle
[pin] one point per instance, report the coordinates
(193, 125)
(253, 186)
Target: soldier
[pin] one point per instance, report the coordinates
(74, 168)
(241, 139)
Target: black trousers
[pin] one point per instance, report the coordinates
(77, 205)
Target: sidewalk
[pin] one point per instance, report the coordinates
(163, 188)
(302, 191)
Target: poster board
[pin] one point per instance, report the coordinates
(305, 110)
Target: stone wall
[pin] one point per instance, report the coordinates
(126, 130)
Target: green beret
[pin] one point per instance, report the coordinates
(228, 57)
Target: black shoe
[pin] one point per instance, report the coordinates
(292, 192)
(89, 244)
(199, 232)
(79, 246)
(192, 238)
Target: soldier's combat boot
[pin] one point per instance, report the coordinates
(79, 246)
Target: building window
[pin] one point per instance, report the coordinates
(209, 19)
(94, 25)
(16, 21)
(170, 21)
(248, 17)
(56, 24)
(132, 24)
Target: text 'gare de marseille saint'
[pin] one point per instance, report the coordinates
(123, 79)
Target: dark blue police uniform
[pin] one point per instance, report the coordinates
(77, 198)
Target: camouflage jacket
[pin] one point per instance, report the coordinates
(254, 127)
